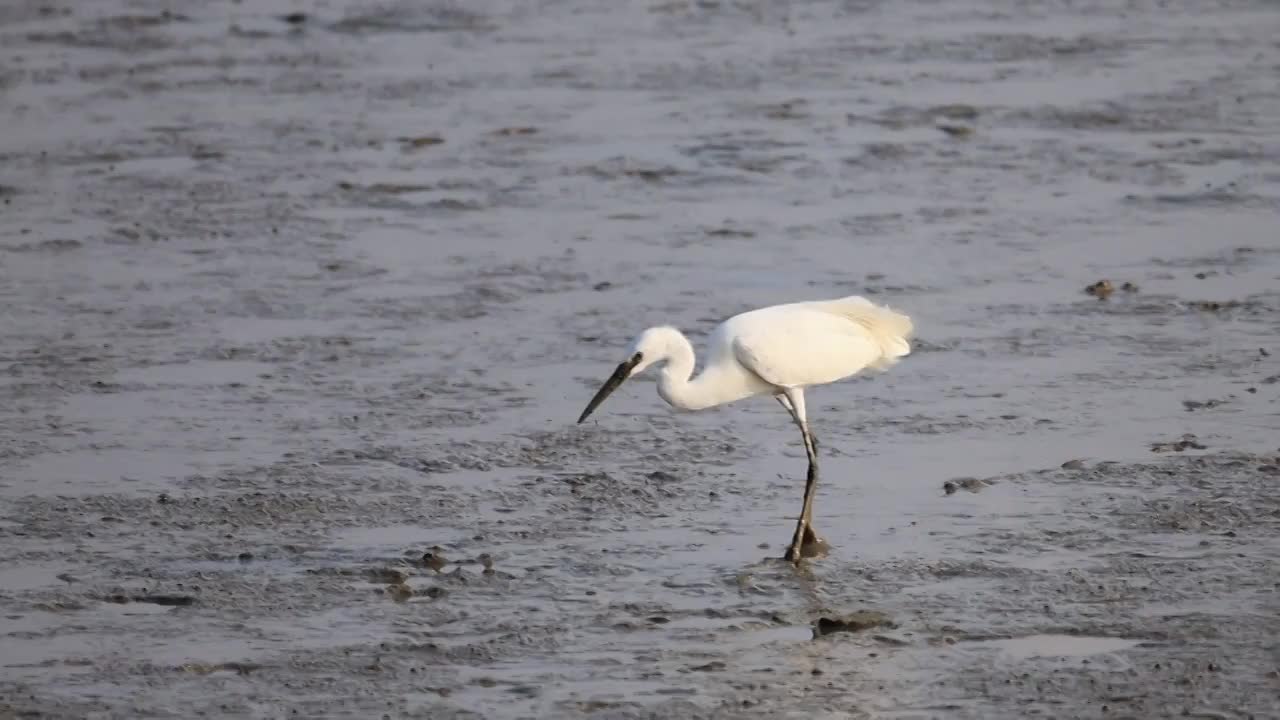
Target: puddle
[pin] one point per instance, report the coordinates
(38, 644)
(1057, 646)
(262, 329)
(173, 165)
(394, 539)
(407, 249)
(86, 472)
(198, 374)
(29, 577)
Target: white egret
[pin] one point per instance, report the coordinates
(778, 351)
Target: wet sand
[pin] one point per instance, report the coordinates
(295, 294)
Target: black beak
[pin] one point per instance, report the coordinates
(622, 373)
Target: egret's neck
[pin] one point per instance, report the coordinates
(675, 385)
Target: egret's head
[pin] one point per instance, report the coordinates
(651, 346)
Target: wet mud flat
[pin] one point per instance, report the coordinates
(298, 303)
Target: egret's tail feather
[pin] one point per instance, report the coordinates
(890, 329)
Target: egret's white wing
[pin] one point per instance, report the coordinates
(817, 343)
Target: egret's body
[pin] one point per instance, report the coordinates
(779, 351)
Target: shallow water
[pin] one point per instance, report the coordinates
(287, 304)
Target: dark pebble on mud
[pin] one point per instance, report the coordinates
(677, 691)
(602, 286)
(526, 690)
(245, 557)
(1101, 289)
(713, 666)
(434, 560)
(1187, 442)
(956, 131)
(662, 476)
(421, 141)
(957, 111)
(166, 600)
(402, 189)
(1073, 465)
(1191, 405)
(853, 622)
(973, 485)
(390, 576)
(890, 640)
(512, 131)
(295, 18)
(728, 232)
(1215, 306)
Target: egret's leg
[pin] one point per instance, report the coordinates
(805, 534)
(782, 399)
(810, 537)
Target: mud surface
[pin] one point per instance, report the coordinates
(298, 303)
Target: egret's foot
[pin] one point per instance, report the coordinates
(813, 545)
(806, 544)
(795, 551)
